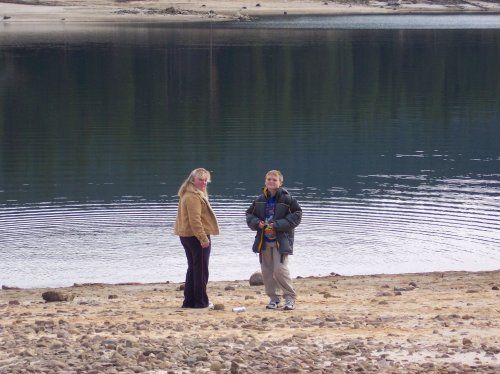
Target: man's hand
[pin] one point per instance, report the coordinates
(263, 224)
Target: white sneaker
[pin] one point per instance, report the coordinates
(273, 305)
(289, 305)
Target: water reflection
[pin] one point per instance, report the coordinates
(378, 22)
(387, 137)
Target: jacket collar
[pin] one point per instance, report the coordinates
(280, 191)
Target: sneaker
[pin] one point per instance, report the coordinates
(273, 305)
(211, 306)
(289, 305)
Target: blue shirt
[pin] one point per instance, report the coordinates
(269, 232)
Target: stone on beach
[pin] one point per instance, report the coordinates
(4, 287)
(256, 279)
(439, 329)
(53, 296)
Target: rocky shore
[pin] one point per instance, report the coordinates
(410, 323)
(15, 11)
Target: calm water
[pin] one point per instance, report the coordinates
(387, 132)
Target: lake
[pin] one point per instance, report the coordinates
(386, 129)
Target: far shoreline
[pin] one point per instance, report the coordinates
(200, 11)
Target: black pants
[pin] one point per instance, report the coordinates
(195, 289)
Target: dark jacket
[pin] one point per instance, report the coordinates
(287, 216)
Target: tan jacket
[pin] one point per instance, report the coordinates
(195, 217)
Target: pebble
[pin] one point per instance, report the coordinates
(350, 335)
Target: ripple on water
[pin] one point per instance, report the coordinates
(423, 229)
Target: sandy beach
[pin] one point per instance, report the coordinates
(201, 10)
(410, 323)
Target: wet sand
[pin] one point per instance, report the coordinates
(409, 323)
(201, 10)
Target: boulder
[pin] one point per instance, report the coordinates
(256, 279)
(52, 296)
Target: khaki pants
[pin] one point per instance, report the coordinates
(276, 274)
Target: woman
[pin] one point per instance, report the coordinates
(274, 215)
(194, 224)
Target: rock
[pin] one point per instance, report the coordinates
(110, 297)
(216, 366)
(402, 289)
(88, 284)
(57, 365)
(229, 288)
(151, 353)
(109, 344)
(52, 296)
(342, 352)
(256, 279)
(14, 302)
(466, 342)
(494, 288)
(382, 294)
(242, 17)
(10, 288)
(237, 367)
(172, 10)
(219, 307)
(64, 335)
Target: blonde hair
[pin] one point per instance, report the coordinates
(276, 173)
(188, 185)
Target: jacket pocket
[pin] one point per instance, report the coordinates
(285, 243)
